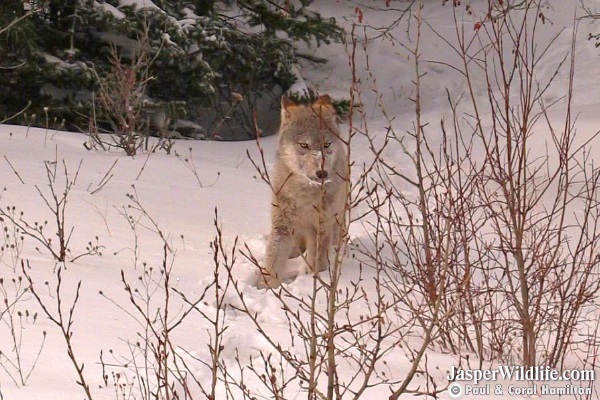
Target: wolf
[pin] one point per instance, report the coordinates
(309, 185)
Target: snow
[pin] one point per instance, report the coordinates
(108, 8)
(299, 87)
(138, 4)
(179, 194)
(63, 64)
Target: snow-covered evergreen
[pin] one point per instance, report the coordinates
(201, 52)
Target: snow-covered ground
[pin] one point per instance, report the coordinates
(131, 207)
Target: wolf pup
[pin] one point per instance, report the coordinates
(309, 188)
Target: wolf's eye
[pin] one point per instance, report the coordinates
(326, 144)
(303, 145)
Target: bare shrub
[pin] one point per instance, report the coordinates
(491, 232)
(54, 237)
(342, 332)
(156, 366)
(409, 217)
(57, 242)
(541, 207)
(11, 248)
(17, 320)
(62, 318)
(150, 361)
(121, 98)
(513, 231)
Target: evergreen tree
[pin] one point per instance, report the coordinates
(204, 53)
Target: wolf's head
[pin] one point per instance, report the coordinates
(309, 139)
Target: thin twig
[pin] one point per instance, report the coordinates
(14, 170)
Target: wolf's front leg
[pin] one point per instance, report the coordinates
(278, 250)
(318, 252)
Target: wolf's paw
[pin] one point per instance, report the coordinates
(324, 266)
(266, 281)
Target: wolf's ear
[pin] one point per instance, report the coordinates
(286, 102)
(324, 105)
(323, 101)
(287, 107)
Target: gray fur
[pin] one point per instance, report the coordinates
(307, 207)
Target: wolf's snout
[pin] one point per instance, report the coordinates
(322, 174)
